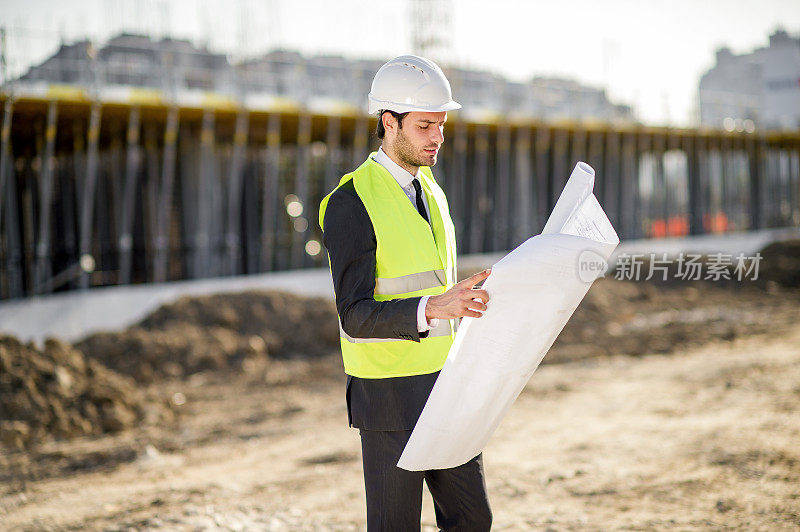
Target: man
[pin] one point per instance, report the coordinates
(391, 245)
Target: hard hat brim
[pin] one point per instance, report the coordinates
(379, 105)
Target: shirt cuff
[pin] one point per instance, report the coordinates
(422, 322)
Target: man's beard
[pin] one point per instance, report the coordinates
(408, 154)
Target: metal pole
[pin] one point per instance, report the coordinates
(560, 173)
(150, 200)
(692, 146)
(300, 229)
(14, 257)
(202, 237)
(67, 249)
(755, 154)
(115, 183)
(457, 193)
(165, 197)
(727, 175)
(714, 162)
(659, 200)
(480, 202)
(188, 145)
(503, 222)
(740, 168)
(128, 203)
(216, 213)
(787, 189)
(594, 157)
(542, 177)
(775, 196)
(578, 149)
(108, 217)
(523, 192)
(787, 204)
(332, 170)
(43, 267)
(641, 211)
(270, 200)
(704, 153)
(778, 194)
(5, 146)
(626, 204)
(89, 188)
(72, 195)
(5, 156)
(252, 223)
(770, 195)
(675, 181)
(233, 225)
(27, 216)
(611, 176)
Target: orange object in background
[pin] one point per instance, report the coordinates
(679, 225)
(715, 223)
(673, 226)
(658, 229)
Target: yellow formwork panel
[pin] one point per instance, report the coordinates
(75, 101)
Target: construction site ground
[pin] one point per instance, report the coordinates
(662, 408)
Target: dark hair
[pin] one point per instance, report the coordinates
(380, 130)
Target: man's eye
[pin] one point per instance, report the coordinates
(423, 127)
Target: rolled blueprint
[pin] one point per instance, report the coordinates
(533, 292)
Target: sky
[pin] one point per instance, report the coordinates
(648, 54)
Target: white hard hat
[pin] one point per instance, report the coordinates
(411, 83)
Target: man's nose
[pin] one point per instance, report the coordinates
(438, 135)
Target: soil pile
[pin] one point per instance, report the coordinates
(639, 318)
(57, 392)
(780, 263)
(237, 332)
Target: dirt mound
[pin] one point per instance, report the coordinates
(219, 332)
(639, 318)
(58, 392)
(780, 263)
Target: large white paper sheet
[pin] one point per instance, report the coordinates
(533, 292)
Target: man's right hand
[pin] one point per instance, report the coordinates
(461, 300)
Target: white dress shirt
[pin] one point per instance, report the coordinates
(404, 179)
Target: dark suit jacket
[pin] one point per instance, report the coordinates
(372, 404)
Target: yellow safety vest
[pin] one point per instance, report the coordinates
(411, 260)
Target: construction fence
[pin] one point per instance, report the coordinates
(102, 193)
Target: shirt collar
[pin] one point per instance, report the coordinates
(400, 174)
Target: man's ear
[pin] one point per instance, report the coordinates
(389, 122)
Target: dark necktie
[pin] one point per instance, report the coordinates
(420, 204)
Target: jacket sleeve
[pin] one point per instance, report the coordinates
(350, 240)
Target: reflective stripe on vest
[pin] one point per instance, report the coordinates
(409, 283)
(443, 329)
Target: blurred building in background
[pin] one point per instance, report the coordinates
(177, 67)
(136, 60)
(760, 89)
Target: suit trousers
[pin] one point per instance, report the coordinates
(394, 495)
